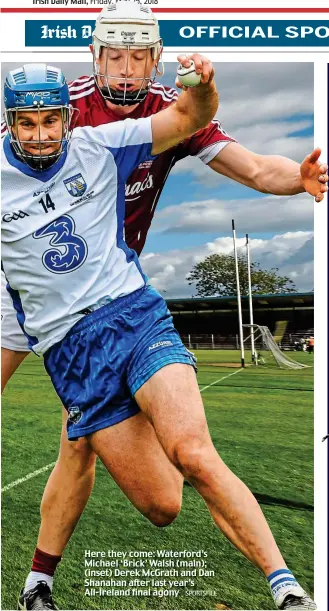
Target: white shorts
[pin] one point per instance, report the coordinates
(12, 336)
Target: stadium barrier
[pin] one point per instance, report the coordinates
(216, 341)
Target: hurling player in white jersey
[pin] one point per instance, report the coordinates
(119, 95)
(107, 337)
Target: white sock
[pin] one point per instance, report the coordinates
(33, 578)
(283, 584)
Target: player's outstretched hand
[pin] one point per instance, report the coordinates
(314, 175)
(202, 64)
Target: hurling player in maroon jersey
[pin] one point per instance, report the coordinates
(124, 85)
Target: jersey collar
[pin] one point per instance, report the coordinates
(44, 175)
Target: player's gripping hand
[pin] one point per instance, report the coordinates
(314, 175)
(203, 66)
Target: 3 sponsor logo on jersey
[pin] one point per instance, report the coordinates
(44, 190)
(76, 185)
(138, 187)
(14, 216)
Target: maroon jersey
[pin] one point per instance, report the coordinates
(145, 184)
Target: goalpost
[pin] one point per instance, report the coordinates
(238, 295)
(257, 331)
(251, 314)
(282, 360)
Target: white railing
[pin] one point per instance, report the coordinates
(216, 341)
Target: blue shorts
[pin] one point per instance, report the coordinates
(108, 355)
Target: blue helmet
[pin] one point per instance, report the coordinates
(34, 84)
(36, 87)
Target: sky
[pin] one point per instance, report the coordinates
(268, 108)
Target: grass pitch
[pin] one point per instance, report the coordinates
(261, 421)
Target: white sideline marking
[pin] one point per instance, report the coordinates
(220, 379)
(28, 476)
(52, 464)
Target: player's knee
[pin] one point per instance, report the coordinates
(163, 513)
(78, 456)
(84, 456)
(190, 456)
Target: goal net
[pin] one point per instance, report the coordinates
(264, 338)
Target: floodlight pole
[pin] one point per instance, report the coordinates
(251, 314)
(238, 295)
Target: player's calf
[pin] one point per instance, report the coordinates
(66, 494)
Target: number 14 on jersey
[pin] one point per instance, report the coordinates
(47, 203)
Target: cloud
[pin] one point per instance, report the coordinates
(265, 214)
(291, 252)
(304, 254)
(243, 82)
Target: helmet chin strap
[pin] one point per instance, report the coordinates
(37, 163)
(121, 98)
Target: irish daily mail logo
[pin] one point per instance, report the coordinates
(76, 185)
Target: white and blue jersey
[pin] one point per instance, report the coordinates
(63, 247)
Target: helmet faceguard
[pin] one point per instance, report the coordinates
(38, 160)
(37, 88)
(130, 26)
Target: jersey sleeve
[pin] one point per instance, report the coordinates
(206, 143)
(129, 141)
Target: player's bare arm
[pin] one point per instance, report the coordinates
(272, 173)
(194, 109)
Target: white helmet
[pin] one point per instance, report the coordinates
(126, 24)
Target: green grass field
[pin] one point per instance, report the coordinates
(261, 421)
